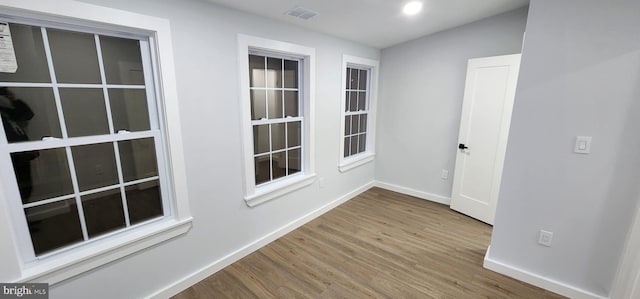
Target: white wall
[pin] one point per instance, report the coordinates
(421, 91)
(205, 45)
(580, 75)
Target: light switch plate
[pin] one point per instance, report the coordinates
(583, 145)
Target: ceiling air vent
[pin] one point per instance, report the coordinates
(301, 13)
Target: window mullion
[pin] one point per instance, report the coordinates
(76, 191)
(54, 82)
(103, 79)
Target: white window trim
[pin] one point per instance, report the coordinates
(257, 195)
(351, 162)
(60, 267)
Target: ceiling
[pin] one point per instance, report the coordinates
(377, 23)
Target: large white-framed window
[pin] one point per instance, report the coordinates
(359, 97)
(90, 139)
(277, 90)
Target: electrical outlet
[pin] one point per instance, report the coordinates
(445, 174)
(545, 238)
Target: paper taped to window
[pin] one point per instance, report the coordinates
(8, 63)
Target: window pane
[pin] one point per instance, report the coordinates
(143, 201)
(295, 158)
(290, 74)
(262, 169)
(28, 113)
(354, 145)
(363, 123)
(261, 139)
(277, 136)
(138, 159)
(346, 101)
(362, 143)
(362, 85)
(122, 61)
(103, 212)
(354, 79)
(54, 225)
(347, 146)
(129, 110)
(362, 101)
(275, 103)
(291, 103)
(274, 72)
(347, 125)
(355, 125)
(95, 165)
(348, 75)
(42, 174)
(69, 51)
(294, 133)
(279, 165)
(84, 111)
(353, 101)
(30, 55)
(256, 71)
(258, 104)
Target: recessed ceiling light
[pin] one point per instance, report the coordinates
(412, 8)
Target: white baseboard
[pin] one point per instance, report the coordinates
(229, 259)
(416, 193)
(537, 280)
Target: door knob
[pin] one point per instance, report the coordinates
(462, 146)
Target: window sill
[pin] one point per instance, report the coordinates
(100, 253)
(269, 192)
(353, 162)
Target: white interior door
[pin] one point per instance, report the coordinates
(486, 114)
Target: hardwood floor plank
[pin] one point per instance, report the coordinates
(380, 244)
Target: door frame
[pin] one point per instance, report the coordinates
(627, 280)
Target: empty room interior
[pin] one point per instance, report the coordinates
(319, 149)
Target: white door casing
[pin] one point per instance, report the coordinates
(484, 128)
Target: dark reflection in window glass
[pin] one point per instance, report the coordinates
(262, 169)
(355, 125)
(274, 72)
(138, 159)
(256, 71)
(348, 83)
(354, 145)
(291, 104)
(353, 101)
(30, 55)
(54, 225)
(122, 60)
(363, 123)
(295, 158)
(84, 111)
(69, 50)
(347, 100)
(28, 113)
(279, 165)
(95, 165)
(290, 74)
(347, 146)
(347, 125)
(103, 212)
(294, 134)
(274, 98)
(362, 143)
(261, 139)
(144, 201)
(354, 79)
(129, 110)
(277, 136)
(362, 101)
(42, 174)
(362, 85)
(258, 104)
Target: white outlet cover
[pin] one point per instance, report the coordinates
(583, 145)
(545, 238)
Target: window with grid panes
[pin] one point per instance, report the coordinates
(81, 135)
(276, 116)
(356, 111)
